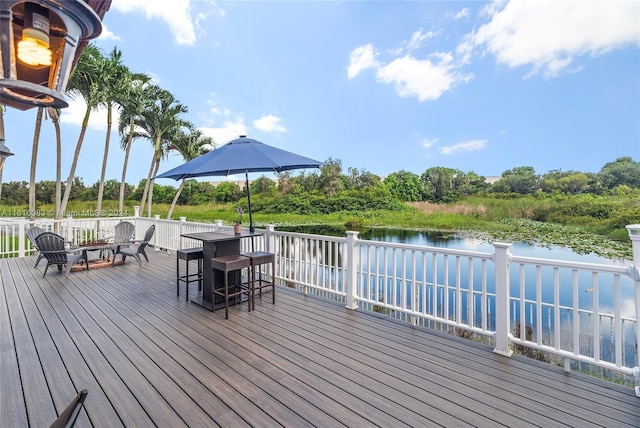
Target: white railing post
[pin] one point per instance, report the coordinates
(634, 235)
(352, 273)
(501, 259)
(136, 210)
(183, 221)
(70, 225)
(22, 226)
(156, 217)
(268, 236)
(218, 225)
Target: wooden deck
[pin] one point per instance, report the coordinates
(148, 358)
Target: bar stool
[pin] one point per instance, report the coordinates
(259, 258)
(188, 254)
(232, 264)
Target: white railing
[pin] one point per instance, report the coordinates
(573, 311)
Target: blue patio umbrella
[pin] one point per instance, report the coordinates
(237, 156)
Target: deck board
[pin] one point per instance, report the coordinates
(149, 358)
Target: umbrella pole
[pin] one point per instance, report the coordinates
(251, 228)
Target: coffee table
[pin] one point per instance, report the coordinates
(93, 246)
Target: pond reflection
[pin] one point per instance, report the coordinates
(451, 240)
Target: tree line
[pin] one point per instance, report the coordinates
(439, 184)
(332, 189)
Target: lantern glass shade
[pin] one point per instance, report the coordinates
(4, 153)
(38, 44)
(33, 49)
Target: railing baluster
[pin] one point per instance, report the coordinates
(618, 333)
(556, 309)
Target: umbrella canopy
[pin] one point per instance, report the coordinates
(242, 155)
(237, 156)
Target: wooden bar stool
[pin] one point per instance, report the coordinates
(256, 281)
(231, 265)
(188, 254)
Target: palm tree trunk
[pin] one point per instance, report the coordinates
(155, 167)
(74, 163)
(146, 184)
(175, 198)
(34, 161)
(151, 183)
(123, 183)
(104, 163)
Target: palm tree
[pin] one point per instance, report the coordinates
(112, 73)
(84, 82)
(131, 102)
(190, 146)
(158, 123)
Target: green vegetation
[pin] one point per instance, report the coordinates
(588, 216)
(565, 221)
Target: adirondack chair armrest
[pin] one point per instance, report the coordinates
(56, 251)
(112, 240)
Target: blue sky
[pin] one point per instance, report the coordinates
(380, 85)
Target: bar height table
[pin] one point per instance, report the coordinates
(215, 244)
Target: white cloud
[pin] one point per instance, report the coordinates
(426, 79)
(361, 58)
(423, 79)
(417, 38)
(74, 115)
(427, 144)
(416, 42)
(107, 35)
(230, 130)
(549, 35)
(466, 146)
(176, 13)
(269, 123)
(231, 126)
(464, 13)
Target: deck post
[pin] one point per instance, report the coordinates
(183, 220)
(501, 259)
(136, 210)
(268, 237)
(634, 270)
(70, 226)
(352, 273)
(156, 217)
(22, 226)
(269, 247)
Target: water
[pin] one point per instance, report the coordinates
(451, 240)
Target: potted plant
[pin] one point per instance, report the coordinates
(237, 223)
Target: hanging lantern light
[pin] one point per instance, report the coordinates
(38, 44)
(4, 153)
